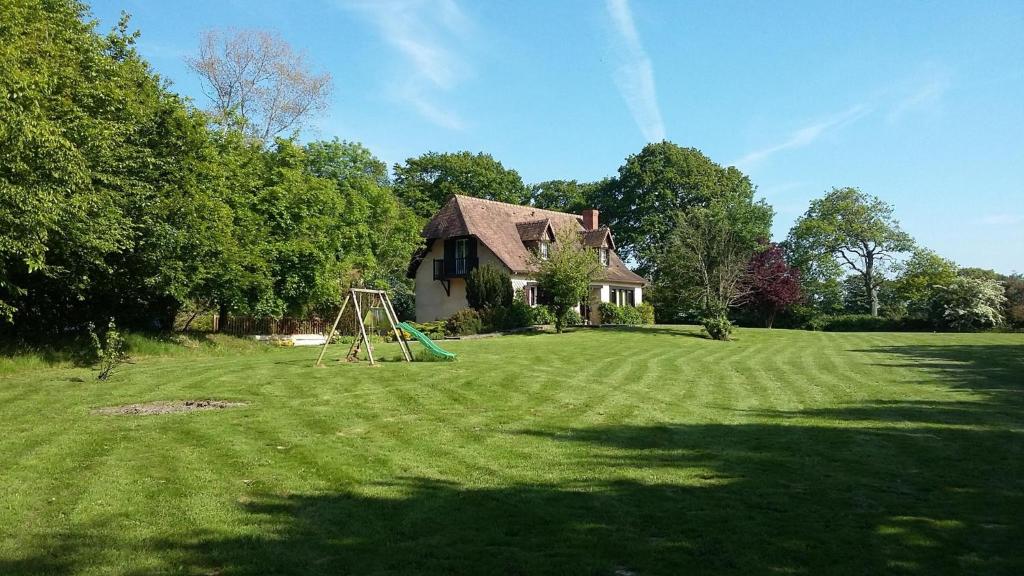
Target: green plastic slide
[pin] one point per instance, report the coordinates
(426, 341)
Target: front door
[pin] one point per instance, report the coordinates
(585, 312)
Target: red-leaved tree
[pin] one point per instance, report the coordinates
(774, 285)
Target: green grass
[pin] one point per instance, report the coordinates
(645, 451)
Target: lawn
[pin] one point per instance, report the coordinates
(616, 452)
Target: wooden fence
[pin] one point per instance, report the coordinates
(247, 325)
(251, 326)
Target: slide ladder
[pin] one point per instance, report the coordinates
(426, 341)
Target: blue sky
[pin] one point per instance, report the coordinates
(920, 103)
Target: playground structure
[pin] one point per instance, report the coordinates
(372, 301)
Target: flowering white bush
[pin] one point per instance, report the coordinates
(968, 303)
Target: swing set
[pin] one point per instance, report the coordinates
(372, 301)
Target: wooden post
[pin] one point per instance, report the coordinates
(362, 329)
(393, 319)
(333, 328)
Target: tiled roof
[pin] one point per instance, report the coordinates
(534, 230)
(503, 227)
(596, 238)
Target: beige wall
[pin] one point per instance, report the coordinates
(432, 303)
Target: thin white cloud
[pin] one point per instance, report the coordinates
(925, 96)
(635, 75)
(422, 31)
(435, 114)
(806, 135)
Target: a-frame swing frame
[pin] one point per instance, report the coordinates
(377, 296)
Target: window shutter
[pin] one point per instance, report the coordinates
(449, 256)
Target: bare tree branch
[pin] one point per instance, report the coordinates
(257, 83)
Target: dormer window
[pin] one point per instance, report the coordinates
(543, 250)
(603, 254)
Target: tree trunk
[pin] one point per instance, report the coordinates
(769, 319)
(222, 317)
(870, 290)
(188, 323)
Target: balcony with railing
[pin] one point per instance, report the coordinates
(453, 267)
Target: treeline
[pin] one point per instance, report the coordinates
(120, 199)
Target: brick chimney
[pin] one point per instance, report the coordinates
(590, 219)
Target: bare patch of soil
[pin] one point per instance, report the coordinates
(150, 408)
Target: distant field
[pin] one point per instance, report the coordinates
(646, 451)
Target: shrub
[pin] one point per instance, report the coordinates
(609, 313)
(110, 350)
(646, 313)
(488, 287)
(572, 318)
(864, 323)
(970, 303)
(542, 315)
(463, 323)
(816, 323)
(717, 326)
(859, 323)
(517, 315)
(520, 315)
(493, 319)
(403, 300)
(434, 330)
(626, 315)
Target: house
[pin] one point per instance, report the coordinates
(469, 232)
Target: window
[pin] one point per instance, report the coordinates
(622, 297)
(530, 293)
(543, 250)
(462, 249)
(603, 252)
(461, 265)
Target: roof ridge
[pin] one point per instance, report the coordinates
(533, 221)
(478, 199)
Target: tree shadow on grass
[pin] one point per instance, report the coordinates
(658, 330)
(784, 496)
(662, 499)
(995, 372)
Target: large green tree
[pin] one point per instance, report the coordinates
(425, 182)
(342, 161)
(652, 187)
(858, 231)
(93, 150)
(567, 195)
(821, 279)
(916, 282)
(386, 232)
(706, 258)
